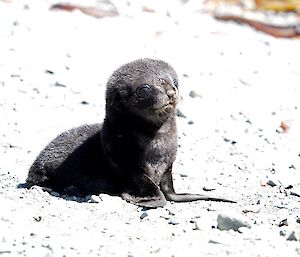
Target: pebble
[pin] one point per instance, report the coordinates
(180, 114)
(295, 191)
(282, 233)
(94, 199)
(251, 208)
(283, 222)
(196, 227)
(213, 242)
(280, 205)
(271, 183)
(195, 94)
(173, 222)
(295, 235)
(4, 247)
(144, 215)
(56, 194)
(232, 221)
(209, 187)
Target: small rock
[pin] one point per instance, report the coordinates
(229, 141)
(180, 114)
(144, 215)
(231, 221)
(209, 187)
(283, 223)
(295, 191)
(94, 199)
(280, 205)
(251, 208)
(190, 122)
(292, 237)
(49, 72)
(282, 233)
(213, 242)
(4, 247)
(295, 235)
(194, 94)
(37, 218)
(271, 183)
(56, 194)
(196, 227)
(206, 188)
(57, 84)
(173, 222)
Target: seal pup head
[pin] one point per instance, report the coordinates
(144, 89)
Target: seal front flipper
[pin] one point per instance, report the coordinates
(149, 202)
(166, 185)
(144, 192)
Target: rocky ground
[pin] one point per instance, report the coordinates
(238, 129)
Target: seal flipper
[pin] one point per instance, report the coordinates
(145, 193)
(166, 185)
(148, 202)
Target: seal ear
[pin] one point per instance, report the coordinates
(112, 98)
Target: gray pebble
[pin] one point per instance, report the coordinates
(94, 199)
(213, 242)
(144, 215)
(251, 208)
(179, 113)
(194, 94)
(4, 247)
(173, 222)
(231, 221)
(279, 204)
(271, 183)
(283, 223)
(196, 227)
(282, 233)
(292, 237)
(209, 187)
(295, 191)
(56, 194)
(295, 235)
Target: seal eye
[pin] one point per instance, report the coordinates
(143, 91)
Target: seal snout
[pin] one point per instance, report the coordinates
(172, 93)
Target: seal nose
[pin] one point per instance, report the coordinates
(171, 91)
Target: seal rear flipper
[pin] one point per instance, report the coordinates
(149, 202)
(166, 186)
(194, 197)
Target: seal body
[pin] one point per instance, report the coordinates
(132, 152)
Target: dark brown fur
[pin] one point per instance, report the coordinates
(131, 154)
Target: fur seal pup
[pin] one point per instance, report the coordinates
(132, 152)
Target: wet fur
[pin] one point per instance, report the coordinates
(131, 154)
